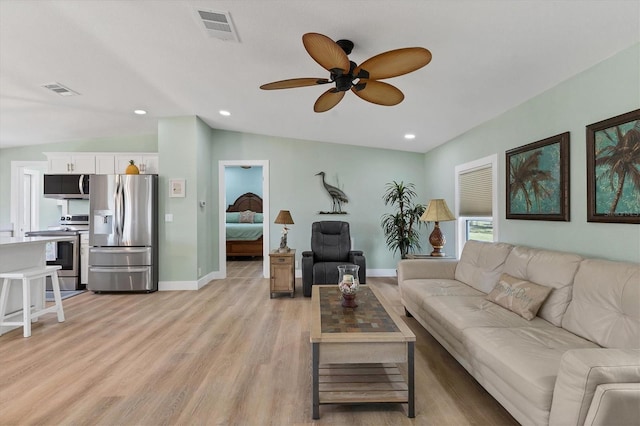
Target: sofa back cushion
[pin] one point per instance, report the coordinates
(605, 307)
(481, 264)
(548, 268)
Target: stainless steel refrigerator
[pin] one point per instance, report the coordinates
(123, 233)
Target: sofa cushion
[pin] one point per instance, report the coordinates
(526, 359)
(457, 313)
(605, 306)
(481, 264)
(518, 295)
(548, 268)
(419, 289)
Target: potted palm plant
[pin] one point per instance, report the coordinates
(401, 229)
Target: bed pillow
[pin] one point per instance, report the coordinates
(233, 217)
(247, 216)
(519, 296)
(258, 218)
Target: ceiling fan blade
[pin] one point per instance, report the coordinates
(294, 82)
(378, 92)
(328, 100)
(326, 52)
(394, 63)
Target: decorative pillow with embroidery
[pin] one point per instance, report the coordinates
(247, 216)
(519, 296)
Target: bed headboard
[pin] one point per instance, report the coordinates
(248, 201)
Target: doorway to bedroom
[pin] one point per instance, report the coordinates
(244, 216)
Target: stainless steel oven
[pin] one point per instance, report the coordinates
(65, 253)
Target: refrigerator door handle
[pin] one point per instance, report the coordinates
(118, 212)
(119, 269)
(115, 250)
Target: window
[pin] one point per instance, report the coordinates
(476, 200)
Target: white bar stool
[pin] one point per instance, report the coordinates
(28, 313)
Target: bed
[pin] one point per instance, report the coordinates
(243, 225)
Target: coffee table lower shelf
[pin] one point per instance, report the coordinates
(361, 384)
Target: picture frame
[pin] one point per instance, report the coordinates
(537, 180)
(177, 188)
(613, 151)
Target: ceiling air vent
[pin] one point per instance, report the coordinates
(60, 89)
(217, 24)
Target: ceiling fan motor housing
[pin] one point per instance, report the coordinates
(343, 81)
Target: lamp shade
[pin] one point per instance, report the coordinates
(284, 217)
(437, 211)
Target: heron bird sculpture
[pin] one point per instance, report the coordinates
(337, 196)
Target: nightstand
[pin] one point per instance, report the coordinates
(283, 277)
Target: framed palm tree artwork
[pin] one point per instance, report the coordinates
(538, 180)
(613, 169)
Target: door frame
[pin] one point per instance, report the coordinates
(18, 170)
(222, 206)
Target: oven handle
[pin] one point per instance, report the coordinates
(121, 269)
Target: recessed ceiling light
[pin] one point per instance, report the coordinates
(409, 136)
(140, 112)
(225, 113)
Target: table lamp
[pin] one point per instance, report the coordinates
(437, 211)
(284, 218)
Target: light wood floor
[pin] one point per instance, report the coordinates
(224, 355)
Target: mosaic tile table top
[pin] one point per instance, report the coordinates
(369, 317)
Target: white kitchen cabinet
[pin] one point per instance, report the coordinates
(101, 163)
(72, 164)
(147, 163)
(105, 164)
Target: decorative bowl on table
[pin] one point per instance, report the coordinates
(348, 283)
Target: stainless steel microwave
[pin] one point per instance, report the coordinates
(66, 186)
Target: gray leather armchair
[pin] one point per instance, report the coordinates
(330, 247)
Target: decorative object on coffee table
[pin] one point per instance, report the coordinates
(284, 218)
(437, 211)
(348, 283)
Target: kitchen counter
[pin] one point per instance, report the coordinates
(18, 253)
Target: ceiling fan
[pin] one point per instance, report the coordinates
(346, 74)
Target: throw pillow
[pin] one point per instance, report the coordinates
(247, 216)
(233, 217)
(519, 296)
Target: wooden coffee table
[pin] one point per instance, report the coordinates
(356, 351)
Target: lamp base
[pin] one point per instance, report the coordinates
(437, 240)
(437, 252)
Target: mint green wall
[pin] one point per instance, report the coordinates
(362, 174)
(207, 230)
(178, 151)
(603, 91)
(239, 181)
(49, 209)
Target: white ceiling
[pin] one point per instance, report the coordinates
(488, 56)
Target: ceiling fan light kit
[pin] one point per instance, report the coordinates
(347, 75)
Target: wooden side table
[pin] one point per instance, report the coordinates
(283, 277)
(427, 256)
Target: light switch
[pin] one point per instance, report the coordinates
(168, 217)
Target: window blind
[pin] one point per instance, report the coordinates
(475, 192)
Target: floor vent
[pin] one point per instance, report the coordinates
(60, 89)
(217, 24)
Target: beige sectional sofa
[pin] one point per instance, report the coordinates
(576, 362)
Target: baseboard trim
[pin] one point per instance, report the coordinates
(217, 275)
(381, 272)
